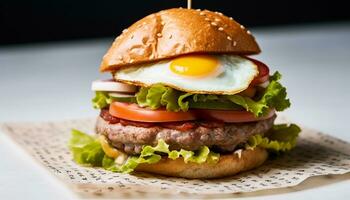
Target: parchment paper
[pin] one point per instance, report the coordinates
(315, 154)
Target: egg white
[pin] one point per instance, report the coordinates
(233, 75)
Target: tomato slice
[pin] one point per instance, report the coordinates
(264, 72)
(232, 116)
(135, 113)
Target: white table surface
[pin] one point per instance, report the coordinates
(52, 82)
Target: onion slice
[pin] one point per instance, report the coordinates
(122, 95)
(112, 86)
(264, 84)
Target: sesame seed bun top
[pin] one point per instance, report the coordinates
(175, 32)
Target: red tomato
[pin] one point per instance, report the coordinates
(263, 75)
(232, 116)
(135, 113)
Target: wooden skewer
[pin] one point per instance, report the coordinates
(189, 4)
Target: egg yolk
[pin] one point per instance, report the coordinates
(194, 65)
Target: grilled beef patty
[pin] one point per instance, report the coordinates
(129, 136)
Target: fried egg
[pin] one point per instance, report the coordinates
(202, 74)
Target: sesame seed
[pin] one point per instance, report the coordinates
(219, 13)
(234, 43)
(229, 38)
(159, 34)
(139, 26)
(131, 60)
(151, 56)
(120, 57)
(144, 23)
(170, 36)
(242, 27)
(162, 23)
(231, 18)
(249, 33)
(207, 19)
(220, 29)
(217, 20)
(201, 13)
(198, 10)
(214, 24)
(132, 37)
(125, 30)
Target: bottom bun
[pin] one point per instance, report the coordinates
(228, 165)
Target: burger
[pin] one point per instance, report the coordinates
(185, 100)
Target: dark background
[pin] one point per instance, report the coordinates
(48, 20)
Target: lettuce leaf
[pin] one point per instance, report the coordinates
(87, 151)
(255, 107)
(101, 100)
(158, 95)
(280, 138)
(273, 97)
(151, 155)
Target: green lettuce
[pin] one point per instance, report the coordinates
(87, 151)
(275, 96)
(279, 139)
(101, 100)
(150, 155)
(158, 95)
